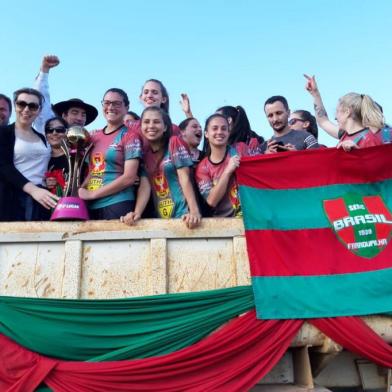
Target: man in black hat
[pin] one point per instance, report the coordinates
(74, 111)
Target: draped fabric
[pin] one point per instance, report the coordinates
(232, 359)
(354, 335)
(104, 330)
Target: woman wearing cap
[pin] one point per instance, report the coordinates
(24, 157)
(113, 162)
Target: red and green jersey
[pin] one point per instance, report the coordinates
(167, 193)
(318, 226)
(106, 163)
(208, 173)
(362, 138)
(384, 135)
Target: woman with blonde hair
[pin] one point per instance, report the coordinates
(360, 121)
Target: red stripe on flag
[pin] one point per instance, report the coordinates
(310, 168)
(307, 252)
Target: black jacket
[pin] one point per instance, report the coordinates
(11, 179)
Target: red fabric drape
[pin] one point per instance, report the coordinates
(21, 369)
(353, 334)
(234, 358)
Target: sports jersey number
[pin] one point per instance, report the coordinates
(165, 208)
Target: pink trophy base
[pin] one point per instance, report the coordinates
(70, 208)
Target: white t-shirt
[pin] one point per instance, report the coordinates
(31, 159)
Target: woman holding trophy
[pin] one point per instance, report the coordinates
(113, 162)
(24, 157)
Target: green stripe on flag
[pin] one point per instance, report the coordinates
(294, 209)
(283, 297)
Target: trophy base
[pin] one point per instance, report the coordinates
(70, 208)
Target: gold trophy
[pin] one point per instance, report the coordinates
(76, 146)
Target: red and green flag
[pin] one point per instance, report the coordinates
(318, 226)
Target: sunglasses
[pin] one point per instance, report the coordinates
(295, 120)
(57, 129)
(116, 104)
(31, 105)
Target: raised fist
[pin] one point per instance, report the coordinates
(48, 62)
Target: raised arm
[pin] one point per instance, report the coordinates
(319, 109)
(42, 85)
(186, 105)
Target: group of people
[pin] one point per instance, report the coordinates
(147, 166)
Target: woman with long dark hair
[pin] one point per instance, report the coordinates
(215, 173)
(239, 126)
(192, 134)
(302, 120)
(167, 162)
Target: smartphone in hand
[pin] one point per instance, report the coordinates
(280, 147)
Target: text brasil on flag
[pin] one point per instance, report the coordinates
(318, 226)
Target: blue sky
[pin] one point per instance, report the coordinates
(219, 52)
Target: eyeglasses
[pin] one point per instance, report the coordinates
(31, 105)
(57, 129)
(116, 104)
(294, 121)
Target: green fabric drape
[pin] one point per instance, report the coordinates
(106, 330)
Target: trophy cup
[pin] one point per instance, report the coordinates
(76, 146)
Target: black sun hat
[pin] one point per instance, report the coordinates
(63, 106)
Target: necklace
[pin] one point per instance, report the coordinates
(105, 132)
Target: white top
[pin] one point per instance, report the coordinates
(31, 159)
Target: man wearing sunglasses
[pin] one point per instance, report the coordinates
(74, 111)
(284, 138)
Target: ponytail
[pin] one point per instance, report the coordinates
(364, 110)
(371, 114)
